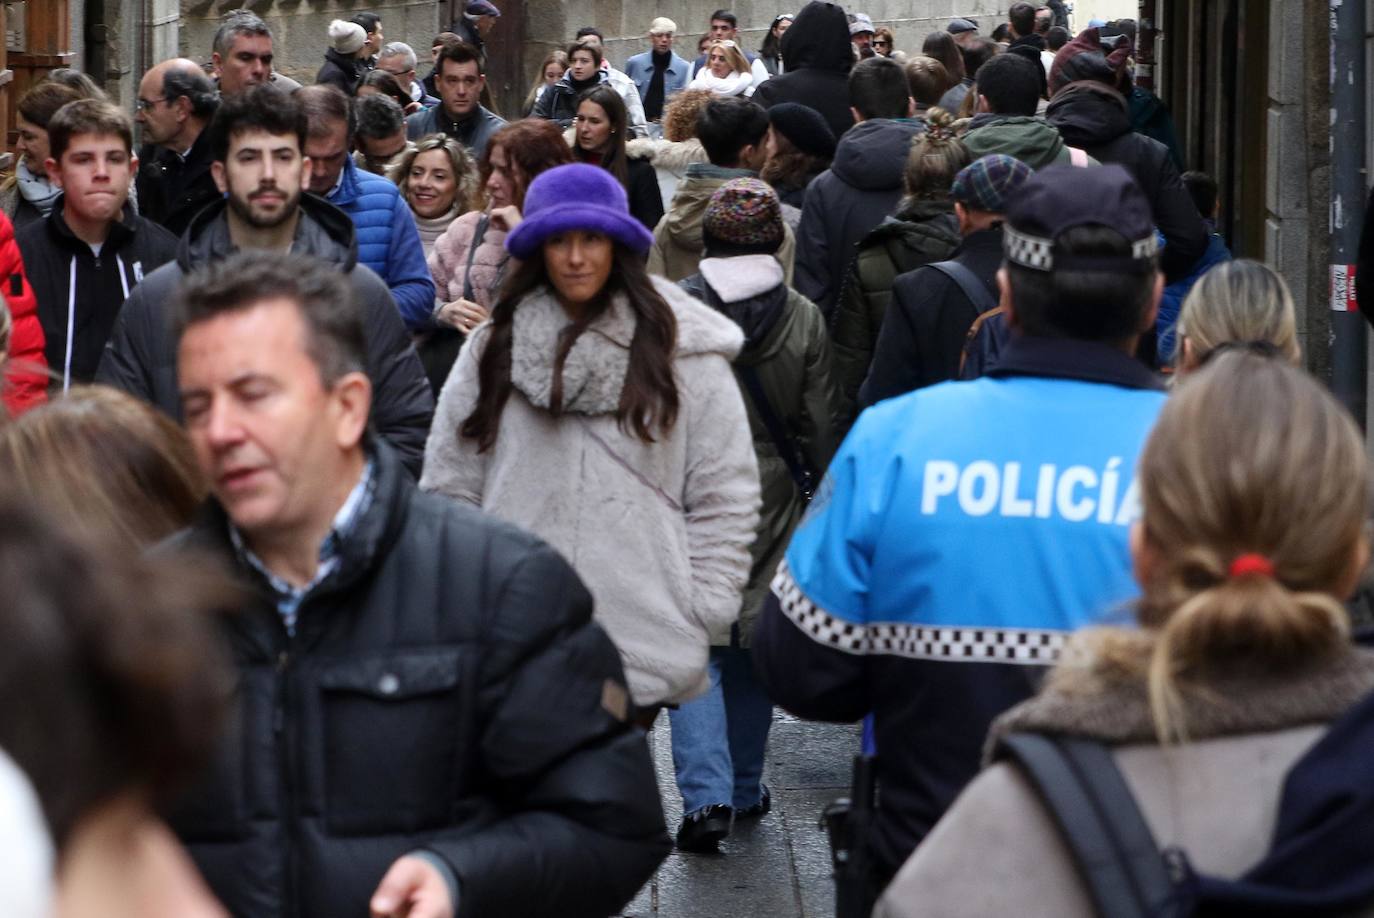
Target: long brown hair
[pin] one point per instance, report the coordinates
(1250, 456)
(613, 160)
(531, 145)
(649, 399)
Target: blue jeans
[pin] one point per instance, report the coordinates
(719, 738)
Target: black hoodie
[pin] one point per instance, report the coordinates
(1095, 118)
(141, 355)
(818, 57)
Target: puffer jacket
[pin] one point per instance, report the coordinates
(678, 243)
(1034, 141)
(1095, 118)
(1293, 748)
(445, 692)
(388, 242)
(786, 346)
(819, 57)
(659, 531)
(342, 71)
(141, 356)
(923, 233)
(845, 202)
(25, 370)
(558, 103)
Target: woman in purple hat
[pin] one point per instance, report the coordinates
(597, 409)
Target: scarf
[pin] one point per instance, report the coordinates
(736, 84)
(653, 97)
(38, 191)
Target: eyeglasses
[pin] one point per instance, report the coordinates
(881, 44)
(146, 105)
(397, 73)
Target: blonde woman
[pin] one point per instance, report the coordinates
(439, 180)
(551, 70)
(1236, 707)
(1237, 304)
(727, 71)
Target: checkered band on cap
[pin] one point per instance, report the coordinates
(1037, 253)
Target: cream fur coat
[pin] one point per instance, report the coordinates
(659, 532)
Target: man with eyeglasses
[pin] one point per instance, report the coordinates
(243, 55)
(460, 113)
(175, 104)
(398, 59)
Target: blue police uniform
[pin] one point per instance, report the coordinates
(962, 532)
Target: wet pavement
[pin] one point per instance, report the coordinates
(777, 867)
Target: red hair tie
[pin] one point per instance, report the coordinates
(1252, 564)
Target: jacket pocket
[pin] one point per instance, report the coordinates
(393, 731)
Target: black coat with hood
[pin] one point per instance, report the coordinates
(819, 57)
(1095, 118)
(846, 202)
(342, 71)
(141, 356)
(85, 314)
(445, 691)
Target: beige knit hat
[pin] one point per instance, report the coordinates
(346, 37)
(662, 26)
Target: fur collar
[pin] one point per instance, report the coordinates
(741, 277)
(595, 368)
(1116, 711)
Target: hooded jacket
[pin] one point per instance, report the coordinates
(1222, 798)
(474, 132)
(446, 692)
(172, 190)
(819, 57)
(923, 233)
(786, 346)
(677, 238)
(1034, 141)
(25, 371)
(388, 242)
(659, 531)
(1094, 117)
(80, 293)
(846, 201)
(141, 356)
(342, 71)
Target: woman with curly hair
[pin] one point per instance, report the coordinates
(678, 148)
(438, 179)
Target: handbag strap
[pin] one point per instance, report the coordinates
(786, 447)
(477, 236)
(1097, 815)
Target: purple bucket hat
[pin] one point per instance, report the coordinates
(576, 197)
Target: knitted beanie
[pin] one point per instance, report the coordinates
(742, 218)
(805, 127)
(346, 37)
(989, 182)
(576, 197)
(1084, 59)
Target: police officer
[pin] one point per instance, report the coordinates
(964, 530)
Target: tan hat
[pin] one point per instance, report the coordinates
(346, 37)
(662, 25)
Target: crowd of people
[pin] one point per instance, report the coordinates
(376, 471)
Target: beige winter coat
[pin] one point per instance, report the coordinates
(448, 262)
(677, 238)
(998, 852)
(659, 532)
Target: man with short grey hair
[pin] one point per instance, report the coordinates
(242, 55)
(379, 134)
(398, 59)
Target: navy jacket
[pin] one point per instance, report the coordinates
(473, 132)
(388, 241)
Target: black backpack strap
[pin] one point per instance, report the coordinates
(787, 447)
(1116, 853)
(977, 292)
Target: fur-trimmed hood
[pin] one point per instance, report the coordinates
(595, 367)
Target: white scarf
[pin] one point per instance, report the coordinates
(736, 84)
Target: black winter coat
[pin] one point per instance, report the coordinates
(927, 231)
(134, 249)
(927, 321)
(445, 690)
(342, 71)
(646, 200)
(141, 356)
(172, 191)
(818, 56)
(1095, 118)
(558, 103)
(846, 202)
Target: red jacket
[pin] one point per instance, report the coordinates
(26, 371)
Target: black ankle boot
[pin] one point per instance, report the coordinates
(702, 831)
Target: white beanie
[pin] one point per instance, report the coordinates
(26, 855)
(346, 37)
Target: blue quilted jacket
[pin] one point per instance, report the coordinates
(388, 242)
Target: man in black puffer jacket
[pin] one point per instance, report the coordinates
(1094, 117)
(261, 122)
(426, 720)
(819, 57)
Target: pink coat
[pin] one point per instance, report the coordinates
(449, 260)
